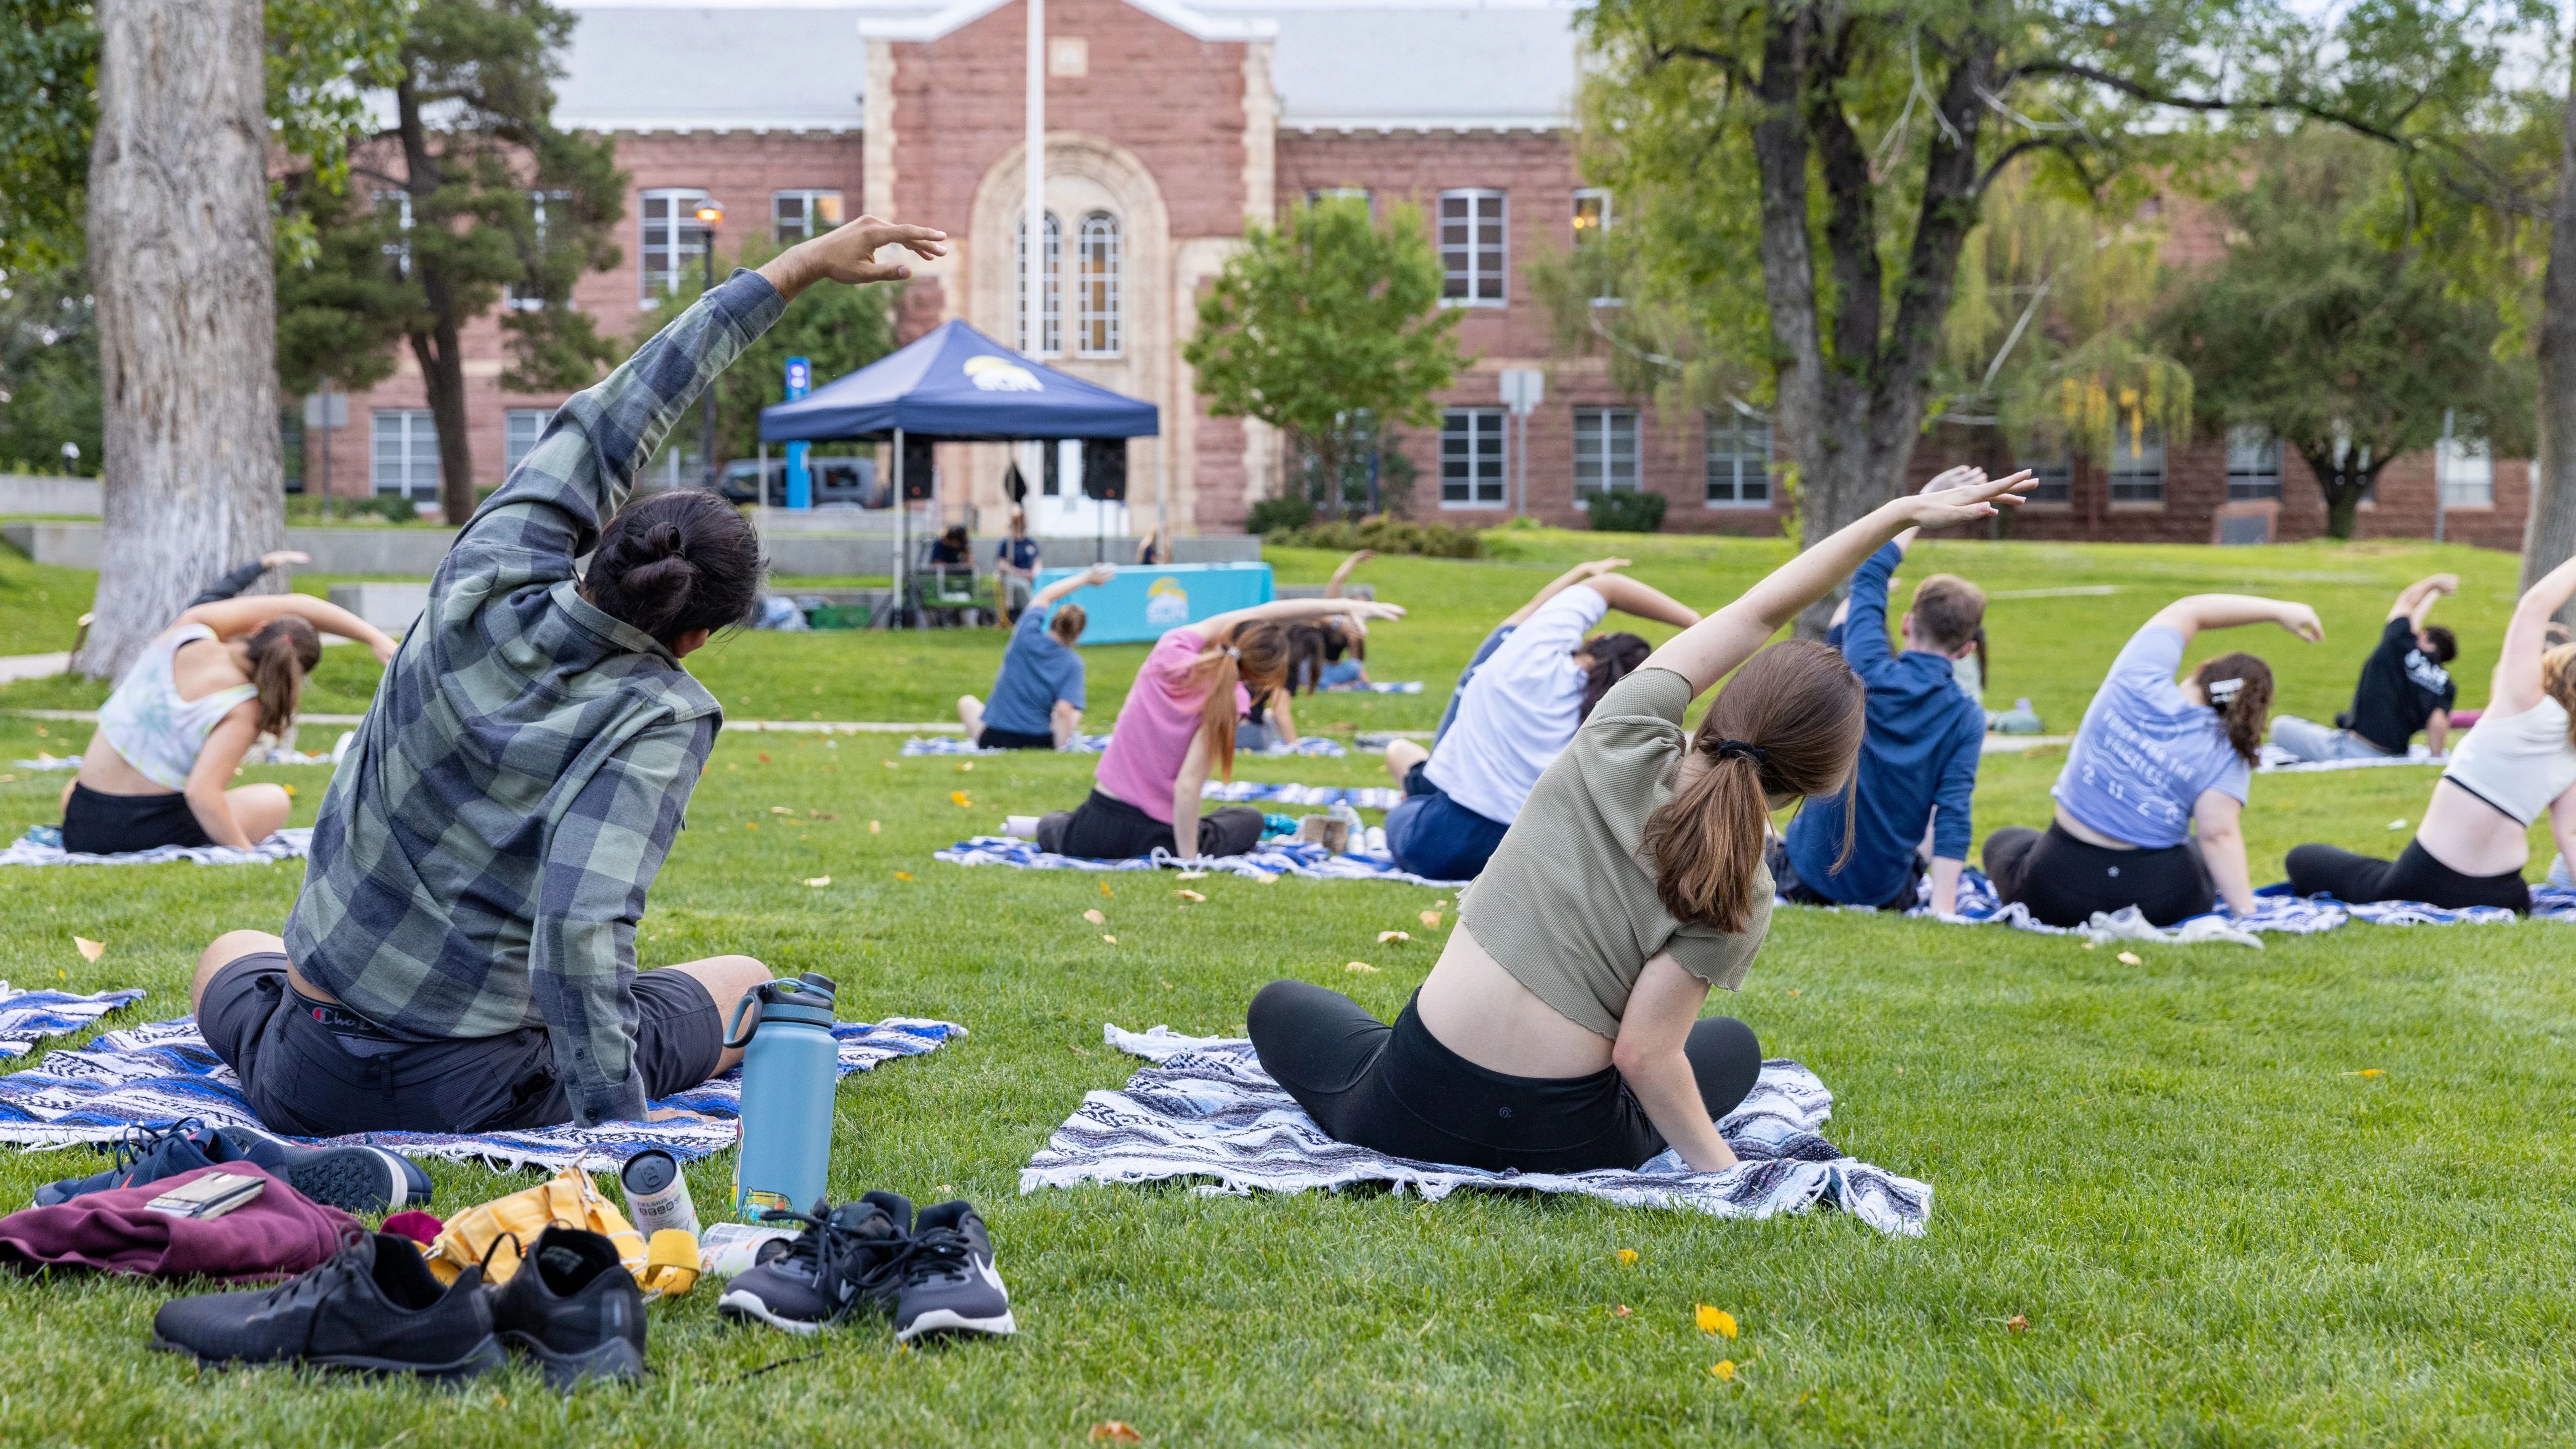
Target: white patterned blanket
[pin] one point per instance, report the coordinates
(43, 845)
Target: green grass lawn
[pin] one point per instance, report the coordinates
(2214, 1229)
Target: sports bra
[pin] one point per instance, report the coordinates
(2518, 763)
(156, 731)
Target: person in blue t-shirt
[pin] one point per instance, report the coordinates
(1918, 759)
(1038, 694)
(1015, 568)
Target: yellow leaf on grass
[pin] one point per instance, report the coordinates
(2364, 1072)
(764, 757)
(1431, 918)
(965, 767)
(959, 796)
(1094, 917)
(1191, 875)
(1361, 966)
(1383, 937)
(1112, 940)
(2016, 1324)
(889, 764)
(751, 825)
(1714, 1320)
(818, 881)
(289, 789)
(1627, 1257)
(1189, 895)
(903, 875)
(875, 826)
(782, 810)
(1622, 1311)
(1114, 1431)
(1724, 1370)
(2130, 958)
(1105, 891)
(90, 950)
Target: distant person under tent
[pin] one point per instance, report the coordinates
(1918, 760)
(2404, 688)
(160, 766)
(1016, 561)
(2515, 765)
(1560, 1030)
(1520, 707)
(952, 549)
(461, 957)
(1177, 728)
(2148, 807)
(1039, 692)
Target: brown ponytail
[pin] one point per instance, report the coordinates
(1788, 723)
(2243, 709)
(282, 652)
(2558, 681)
(1254, 655)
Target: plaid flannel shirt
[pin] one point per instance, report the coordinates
(482, 856)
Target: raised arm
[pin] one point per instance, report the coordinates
(1707, 651)
(1358, 611)
(1580, 573)
(1333, 585)
(2415, 605)
(2188, 617)
(1091, 577)
(2526, 638)
(233, 618)
(1942, 482)
(1645, 601)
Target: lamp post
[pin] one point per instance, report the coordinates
(710, 220)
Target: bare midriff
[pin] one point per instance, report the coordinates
(1475, 1008)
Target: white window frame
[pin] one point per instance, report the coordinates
(658, 265)
(1607, 448)
(520, 430)
(1475, 272)
(1745, 456)
(1098, 326)
(1467, 450)
(2464, 469)
(2253, 465)
(2137, 464)
(1601, 194)
(511, 296)
(414, 453)
(807, 201)
(1051, 326)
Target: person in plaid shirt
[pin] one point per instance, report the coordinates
(462, 956)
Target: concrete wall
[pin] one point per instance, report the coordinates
(22, 494)
(873, 554)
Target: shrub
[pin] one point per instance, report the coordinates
(1386, 535)
(1627, 511)
(1270, 515)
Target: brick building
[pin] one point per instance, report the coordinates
(1170, 126)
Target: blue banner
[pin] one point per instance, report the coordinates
(800, 479)
(1141, 603)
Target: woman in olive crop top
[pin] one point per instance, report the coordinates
(1561, 1030)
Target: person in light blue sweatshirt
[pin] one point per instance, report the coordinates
(1918, 760)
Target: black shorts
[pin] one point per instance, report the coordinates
(314, 1069)
(1108, 828)
(100, 824)
(996, 738)
(2064, 880)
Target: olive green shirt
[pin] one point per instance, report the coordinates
(1567, 905)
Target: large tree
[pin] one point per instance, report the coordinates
(1842, 155)
(2350, 346)
(1329, 328)
(469, 193)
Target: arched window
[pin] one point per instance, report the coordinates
(1051, 333)
(1096, 329)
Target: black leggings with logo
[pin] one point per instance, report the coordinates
(2064, 880)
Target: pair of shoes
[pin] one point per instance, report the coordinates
(353, 1179)
(935, 1272)
(374, 1307)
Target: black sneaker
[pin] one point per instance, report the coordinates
(949, 1285)
(354, 1179)
(372, 1307)
(846, 1256)
(574, 1308)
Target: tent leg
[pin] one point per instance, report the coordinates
(899, 530)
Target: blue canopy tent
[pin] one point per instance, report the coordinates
(955, 385)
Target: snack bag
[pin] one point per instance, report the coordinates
(513, 1223)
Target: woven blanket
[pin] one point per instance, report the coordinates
(2273, 760)
(43, 845)
(1267, 861)
(2275, 909)
(152, 1075)
(1375, 686)
(29, 1017)
(1205, 1108)
(1358, 797)
(1314, 745)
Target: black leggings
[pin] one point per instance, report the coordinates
(1397, 1090)
(2064, 880)
(1108, 828)
(2413, 876)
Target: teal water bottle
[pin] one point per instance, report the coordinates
(790, 1066)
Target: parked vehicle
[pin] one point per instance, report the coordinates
(838, 482)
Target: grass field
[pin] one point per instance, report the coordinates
(2214, 1229)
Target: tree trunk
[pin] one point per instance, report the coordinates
(187, 312)
(442, 379)
(2549, 529)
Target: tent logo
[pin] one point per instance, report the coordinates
(1167, 604)
(1000, 374)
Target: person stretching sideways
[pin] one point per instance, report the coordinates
(2153, 763)
(1039, 692)
(1918, 761)
(2516, 763)
(1177, 727)
(462, 955)
(1503, 631)
(1518, 710)
(2404, 688)
(1560, 1030)
(159, 769)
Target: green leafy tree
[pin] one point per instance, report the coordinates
(2348, 348)
(1328, 328)
(49, 371)
(471, 192)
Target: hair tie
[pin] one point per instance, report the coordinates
(1233, 653)
(1730, 749)
(2222, 692)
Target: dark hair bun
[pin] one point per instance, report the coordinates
(674, 563)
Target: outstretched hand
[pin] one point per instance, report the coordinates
(848, 254)
(1360, 611)
(1599, 566)
(2301, 620)
(1098, 574)
(284, 558)
(1965, 501)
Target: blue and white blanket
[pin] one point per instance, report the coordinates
(2275, 910)
(1314, 745)
(1375, 686)
(1267, 861)
(1205, 1108)
(43, 845)
(1245, 792)
(152, 1075)
(29, 1017)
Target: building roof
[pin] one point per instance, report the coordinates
(801, 65)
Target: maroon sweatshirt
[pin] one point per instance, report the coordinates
(277, 1234)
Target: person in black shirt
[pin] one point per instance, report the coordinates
(2403, 688)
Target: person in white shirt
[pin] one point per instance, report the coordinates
(1516, 714)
